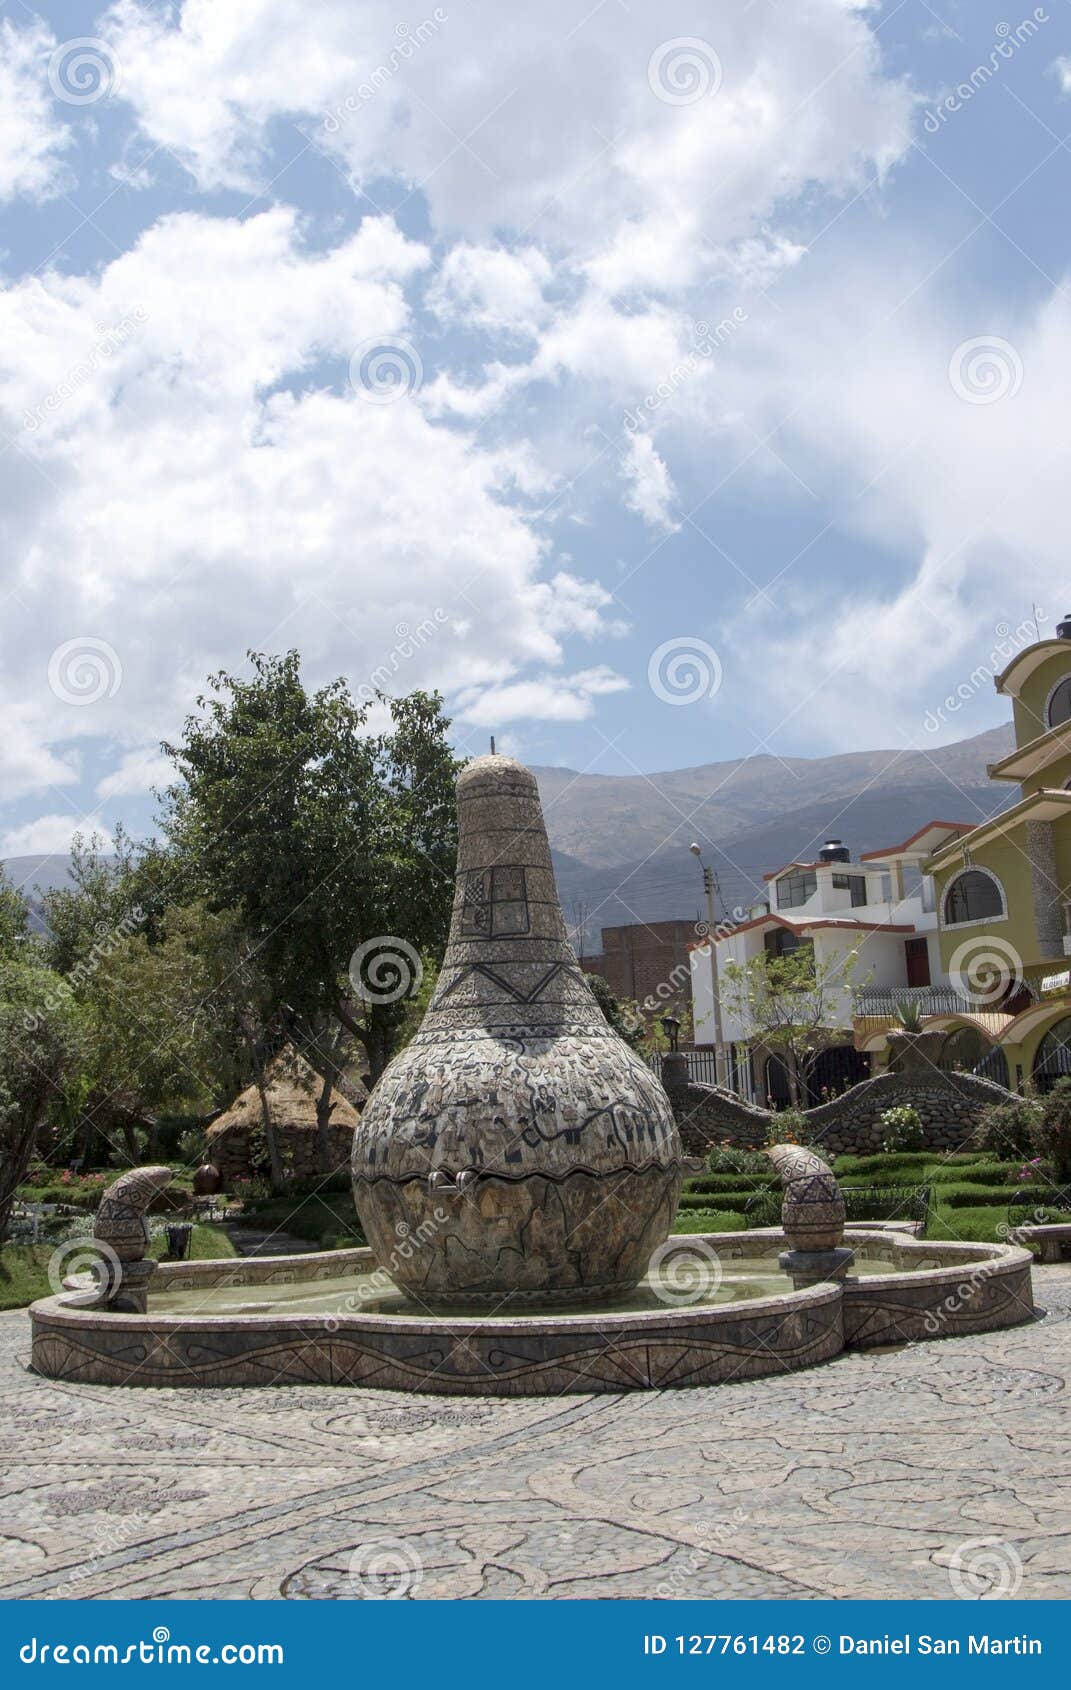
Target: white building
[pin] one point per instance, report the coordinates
(881, 907)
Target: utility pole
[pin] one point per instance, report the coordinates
(721, 1067)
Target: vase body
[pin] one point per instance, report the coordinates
(517, 1149)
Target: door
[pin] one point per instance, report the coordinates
(917, 957)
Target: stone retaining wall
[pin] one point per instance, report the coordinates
(949, 1105)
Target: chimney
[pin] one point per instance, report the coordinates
(834, 851)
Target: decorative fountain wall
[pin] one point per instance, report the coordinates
(517, 1171)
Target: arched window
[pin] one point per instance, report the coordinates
(974, 895)
(1060, 703)
(1052, 1059)
(967, 1051)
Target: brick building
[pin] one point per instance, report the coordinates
(649, 962)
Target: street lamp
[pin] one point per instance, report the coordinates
(720, 1065)
(671, 1027)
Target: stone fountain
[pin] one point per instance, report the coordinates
(812, 1217)
(518, 1144)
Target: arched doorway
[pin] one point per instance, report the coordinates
(1052, 1059)
(968, 1051)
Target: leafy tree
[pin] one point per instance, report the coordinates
(315, 835)
(98, 906)
(790, 1003)
(40, 1048)
(14, 918)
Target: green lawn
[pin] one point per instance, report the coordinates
(972, 1194)
(24, 1267)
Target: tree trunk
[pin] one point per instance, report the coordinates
(275, 1160)
(324, 1109)
(14, 1163)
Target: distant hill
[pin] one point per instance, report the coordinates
(620, 842)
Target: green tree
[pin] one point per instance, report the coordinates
(792, 1004)
(316, 835)
(40, 1051)
(14, 918)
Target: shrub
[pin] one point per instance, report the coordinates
(1052, 1131)
(728, 1159)
(1007, 1129)
(789, 1126)
(902, 1128)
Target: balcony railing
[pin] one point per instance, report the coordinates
(880, 1003)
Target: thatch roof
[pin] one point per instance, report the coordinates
(293, 1087)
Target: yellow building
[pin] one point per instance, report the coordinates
(1003, 888)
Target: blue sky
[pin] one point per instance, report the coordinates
(664, 384)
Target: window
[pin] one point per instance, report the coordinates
(973, 896)
(1060, 703)
(796, 888)
(853, 883)
(781, 941)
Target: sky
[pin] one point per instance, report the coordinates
(662, 383)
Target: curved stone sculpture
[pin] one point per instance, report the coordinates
(812, 1216)
(121, 1231)
(517, 1147)
(812, 1211)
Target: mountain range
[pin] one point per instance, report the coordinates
(620, 842)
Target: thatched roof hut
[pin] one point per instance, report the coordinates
(235, 1140)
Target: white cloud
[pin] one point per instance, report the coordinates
(949, 453)
(551, 698)
(138, 773)
(492, 288)
(32, 141)
(51, 836)
(27, 766)
(650, 486)
(1061, 69)
(202, 492)
(551, 127)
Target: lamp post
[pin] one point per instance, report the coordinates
(671, 1027)
(720, 1065)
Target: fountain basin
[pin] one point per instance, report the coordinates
(903, 1290)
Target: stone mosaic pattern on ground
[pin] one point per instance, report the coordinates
(863, 1478)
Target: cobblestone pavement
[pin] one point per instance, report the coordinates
(938, 1470)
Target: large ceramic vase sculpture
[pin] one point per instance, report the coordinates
(517, 1149)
